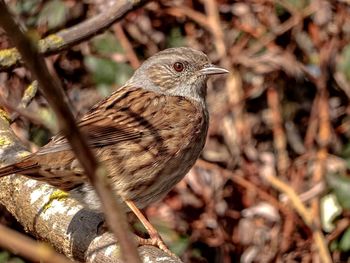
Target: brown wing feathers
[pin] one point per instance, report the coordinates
(110, 122)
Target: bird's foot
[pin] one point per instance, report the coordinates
(157, 241)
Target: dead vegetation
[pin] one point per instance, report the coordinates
(272, 184)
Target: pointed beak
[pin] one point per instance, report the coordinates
(213, 70)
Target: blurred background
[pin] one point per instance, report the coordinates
(277, 156)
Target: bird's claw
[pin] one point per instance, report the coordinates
(156, 241)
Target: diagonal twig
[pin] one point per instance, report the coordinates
(29, 248)
(54, 43)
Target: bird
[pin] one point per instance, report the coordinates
(148, 134)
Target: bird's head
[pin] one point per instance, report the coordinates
(178, 72)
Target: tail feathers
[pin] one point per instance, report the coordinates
(24, 167)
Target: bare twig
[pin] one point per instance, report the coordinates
(29, 248)
(21, 112)
(263, 41)
(216, 29)
(198, 17)
(52, 90)
(130, 54)
(279, 137)
(324, 129)
(28, 96)
(66, 38)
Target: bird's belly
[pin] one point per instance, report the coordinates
(158, 190)
(166, 178)
(149, 183)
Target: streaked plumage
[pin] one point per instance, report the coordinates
(148, 133)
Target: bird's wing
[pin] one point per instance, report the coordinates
(145, 128)
(128, 114)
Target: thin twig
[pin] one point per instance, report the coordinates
(22, 112)
(266, 39)
(10, 58)
(27, 98)
(29, 248)
(216, 29)
(130, 54)
(324, 127)
(279, 137)
(196, 16)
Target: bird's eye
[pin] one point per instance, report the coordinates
(178, 66)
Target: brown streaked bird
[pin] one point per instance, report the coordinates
(148, 134)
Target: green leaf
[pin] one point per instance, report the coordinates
(298, 4)
(345, 154)
(344, 243)
(123, 74)
(334, 245)
(344, 62)
(53, 13)
(175, 39)
(341, 187)
(104, 90)
(39, 135)
(27, 6)
(280, 10)
(6, 257)
(177, 243)
(180, 245)
(106, 71)
(107, 44)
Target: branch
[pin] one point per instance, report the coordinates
(11, 58)
(29, 248)
(27, 98)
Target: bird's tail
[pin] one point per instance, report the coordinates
(33, 169)
(23, 167)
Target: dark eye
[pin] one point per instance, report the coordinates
(178, 66)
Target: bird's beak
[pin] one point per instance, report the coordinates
(213, 70)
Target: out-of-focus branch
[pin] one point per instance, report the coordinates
(28, 96)
(19, 111)
(216, 28)
(129, 52)
(180, 11)
(53, 92)
(297, 18)
(279, 136)
(10, 58)
(29, 248)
